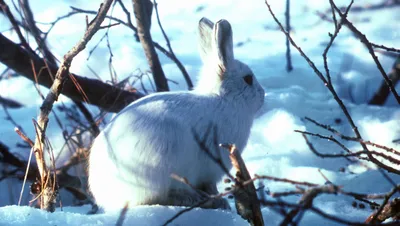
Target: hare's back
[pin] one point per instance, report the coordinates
(160, 116)
(185, 107)
(185, 113)
(158, 125)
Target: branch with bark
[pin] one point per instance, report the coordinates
(31, 66)
(329, 85)
(49, 188)
(9, 103)
(289, 66)
(390, 210)
(243, 189)
(369, 46)
(143, 10)
(383, 92)
(31, 24)
(171, 51)
(247, 203)
(128, 23)
(246, 200)
(64, 179)
(6, 11)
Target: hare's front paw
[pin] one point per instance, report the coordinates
(181, 197)
(184, 197)
(217, 203)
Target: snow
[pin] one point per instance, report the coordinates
(273, 149)
(140, 215)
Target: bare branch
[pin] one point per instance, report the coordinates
(184, 211)
(382, 94)
(380, 215)
(7, 156)
(174, 58)
(330, 138)
(348, 138)
(306, 201)
(203, 147)
(247, 203)
(289, 66)
(30, 21)
(6, 10)
(369, 46)
(308, 184)
(47, 199)
(390, 49)
(10, 103)
(351, 154)
(332, 90)
(390, 210)
(24, 137)
(381, 5)
(122, 215)
(129, 24)
(105, 96)
(338, 26)
(143, 10)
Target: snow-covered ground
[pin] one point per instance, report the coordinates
(274, 148)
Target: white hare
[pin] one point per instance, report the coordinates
(133, 157)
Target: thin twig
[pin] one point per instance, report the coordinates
(289, 66)
(308, 184)
(86, 113)
(378, 6)
(333, 92)
(30, 142)
(348, 138)
(383, 92)
(246, 200)
(48, 199)
(122, 215)
(370, 48)
(23, 136)
(129, 24)
(390, 49)
(143, 10)
(330, 138)
(338, 26)
(98, 93)
(352, 154)
(386, 200)
(334, 20)
(170, 220)
(6, 10)
(8, 103)
(30, 21)
(175, 59)
(203, 147)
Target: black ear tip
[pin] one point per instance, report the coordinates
(222, 21)
(206, 21)
(224, 25)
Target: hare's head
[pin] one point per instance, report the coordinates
(222, 74)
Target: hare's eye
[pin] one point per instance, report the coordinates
(248, 79)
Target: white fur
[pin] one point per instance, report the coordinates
(133, 158)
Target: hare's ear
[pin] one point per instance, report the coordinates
(205, 38)
(223, 44)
